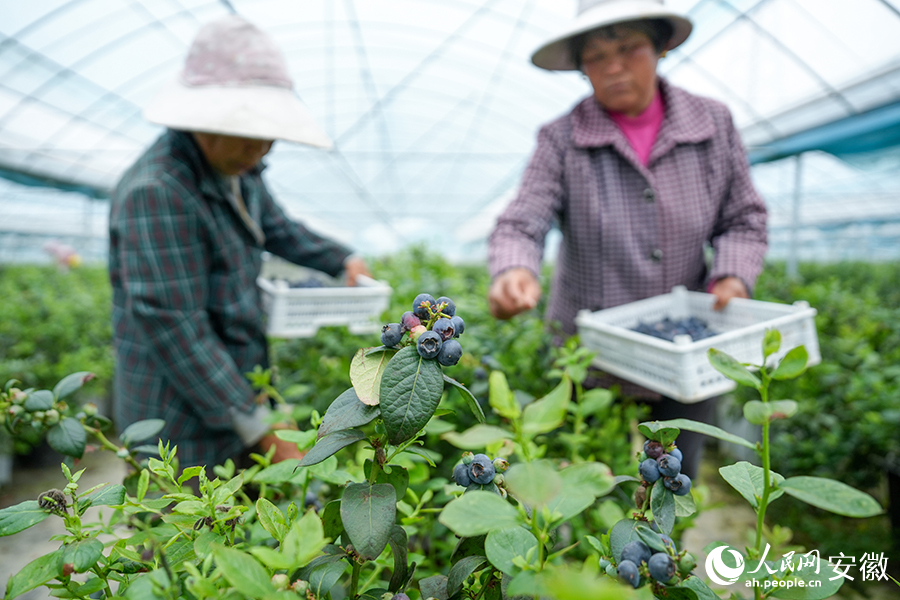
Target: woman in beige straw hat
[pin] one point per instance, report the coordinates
(640, 177)
(189, 222)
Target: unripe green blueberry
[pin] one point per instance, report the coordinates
(280, 581)
(51, 417)
(38, 416)
(17, 396)
(122, 453)
(498, 479)
(90, 409)
(467, 458)
(501, 465)
(300, 586)
(416, 332)
(686, 564)
(15, 410)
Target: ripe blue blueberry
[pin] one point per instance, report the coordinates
(649, 470)
(450, 308)
(444, 328)
(461, 475)
(629, 572)
(420, 309)
(391, 334)
(409, 321)
(400, 596)
(429, 344)
(482, 469)
(661, 567)
(677, 454)
(458, 325)
(635, 551)
(680, 484)
(669, 466)
(450, 353)
(653, 449)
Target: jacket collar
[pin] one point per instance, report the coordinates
(211, 184)
(686, 121)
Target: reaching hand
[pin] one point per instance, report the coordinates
(353, 267)
(512, 292)
(727, 288)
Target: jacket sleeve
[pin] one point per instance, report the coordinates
(296, 243)
(518, 237)
(165, 273)
(739, 237)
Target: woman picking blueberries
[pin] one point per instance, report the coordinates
(639, 177)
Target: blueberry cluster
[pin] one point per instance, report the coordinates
(433, 326)
(667, 329)
(660, 564)
(666, 464)
(477, 470)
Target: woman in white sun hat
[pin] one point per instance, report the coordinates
(640, 177)
(189, 222)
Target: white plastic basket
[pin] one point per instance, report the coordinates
(299, 312)
(681, 369)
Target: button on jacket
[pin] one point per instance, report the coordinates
(631, 231)
(187, 314)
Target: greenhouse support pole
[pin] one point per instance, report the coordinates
(795, 217)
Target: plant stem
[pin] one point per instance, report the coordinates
(536, 530)
(767, 477)
(354, 580)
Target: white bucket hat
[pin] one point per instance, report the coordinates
(235, 82)
(556, 55)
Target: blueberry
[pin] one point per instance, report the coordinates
(629, 572)
(635, 551)
(409, 321)
(611, 570)
(649, 470)
(681, 485)
(604, 563)
(429, 344)
(450, 353)
(661, 567)
(461, 475)
(669, 466)
(482, 469)
(391, 334)
(501, 465)
(653, 449)
(677, 454)
(400, 596)
(311, 499)
(419, 307)
(444, 328)
(450, 308)
(458, 325)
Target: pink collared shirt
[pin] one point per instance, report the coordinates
(641, 131)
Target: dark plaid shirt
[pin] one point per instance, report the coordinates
(187, 313)
(631, 231)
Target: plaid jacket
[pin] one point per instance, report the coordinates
(187, 314)
(629, 231)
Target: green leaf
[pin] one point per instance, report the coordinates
(92, 585)
(758, 412)
(832, 496)
(332, 525)
(110, 495)
(710, 430)
(651, 538)
(271, 519)
(243, 572)
(366, 371)
(368, 513)
(83, 554)
(468, 546)
(592, 477)
(37, 572)
(477, 437)
(594, 401)
(478, 513)
(346, 412)
(699, 587)
(792, 365)
(20, 517)
(621, 533)
(399, 543)
(303, 439)
(411, 389)
(330, 444)
(324, 577)
(685, 505)
(535, 483)
(186, 474)
(732, 369)
(501, 398)
(503, 545)
(71, 383)
(39, 400)
(747, 479)
(461, 571)
(655, 430)
(470, 399)
(68, 437)
(434, 587)
(548, 413)
(771, 343)
(305, 539)
(823, 587)
(140, 431)
(662, 503)
(574, 502)
(144, 484)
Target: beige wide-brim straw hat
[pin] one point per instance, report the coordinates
(556, 55)
(235, 82)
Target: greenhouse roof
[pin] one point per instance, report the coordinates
(433, 104)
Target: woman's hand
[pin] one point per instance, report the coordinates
(354, 267)
(727, 288)
(512, 292)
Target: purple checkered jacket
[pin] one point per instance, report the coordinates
(631, 231)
